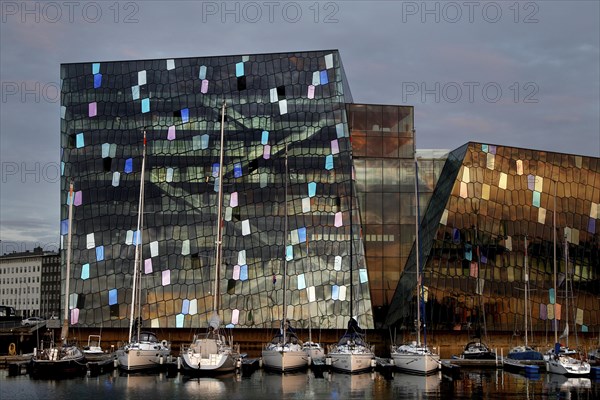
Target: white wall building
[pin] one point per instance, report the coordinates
(30, 282)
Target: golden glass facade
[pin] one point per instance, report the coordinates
(493, 209)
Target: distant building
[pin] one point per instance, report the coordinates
(31, 282)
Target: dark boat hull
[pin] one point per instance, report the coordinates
(57, 369)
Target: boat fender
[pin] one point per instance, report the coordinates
(12, 349)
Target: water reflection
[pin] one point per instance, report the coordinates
(416, 386)
(565, 384)
(277, 385)
(351, 386)
(262, 385)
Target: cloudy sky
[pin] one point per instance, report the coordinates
(523, 74)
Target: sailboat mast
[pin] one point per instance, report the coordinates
(554, 260)
(526, 290)
(65, 327)
(219, 241)
(138, 244)
(566, 293)
(285, 238)
(417, 252)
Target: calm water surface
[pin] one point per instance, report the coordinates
(487, 384)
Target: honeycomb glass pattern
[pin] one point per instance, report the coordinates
(297, 99)
(495, 210)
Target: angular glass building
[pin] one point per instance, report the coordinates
(342, 213)
(500, 216)
(272, 101)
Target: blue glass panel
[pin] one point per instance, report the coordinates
(100, 253)
(185, 115)
(216, 185)
(62, 168)
(329, 162)
(584, 328)
(112, 297)
(215, 170)
(289, 252)
(302, 235)
(312, 189)
(324, 79)
(237, 170)
(244, 272)
(265, 137)
(179, 318)
(239, 69)
(136, 238)
(468, 252)
(204, 142)
(592, 226)
(80, 141)
(456, 236)
(185, 307)
(335, 292)
(97, 80)
(145, 105)
(536, 199)
(95, 68)
(339, 130)
(64, 225)
(85, 271)
(202, 73)
(364, 277)
(128, 165)
(551, 295)
(484, 148)
(301, 282)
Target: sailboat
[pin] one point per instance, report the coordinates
(66, 360)
(213, 352)
(520, 357)
(476, 349)
(352, 354)
(314, 350)
(559, 360)
(416, 357)
(285, 353)
(143, 351)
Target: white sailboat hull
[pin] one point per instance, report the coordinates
(209, 356)
(315, 353)
(314, 350)
(565, 365)
(284, 360)
(352, 363)
(142, 356)
(415, 360)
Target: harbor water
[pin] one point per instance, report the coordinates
(469, 384)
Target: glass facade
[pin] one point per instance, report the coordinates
(351, 206)
(298, 99)
(494, 209)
